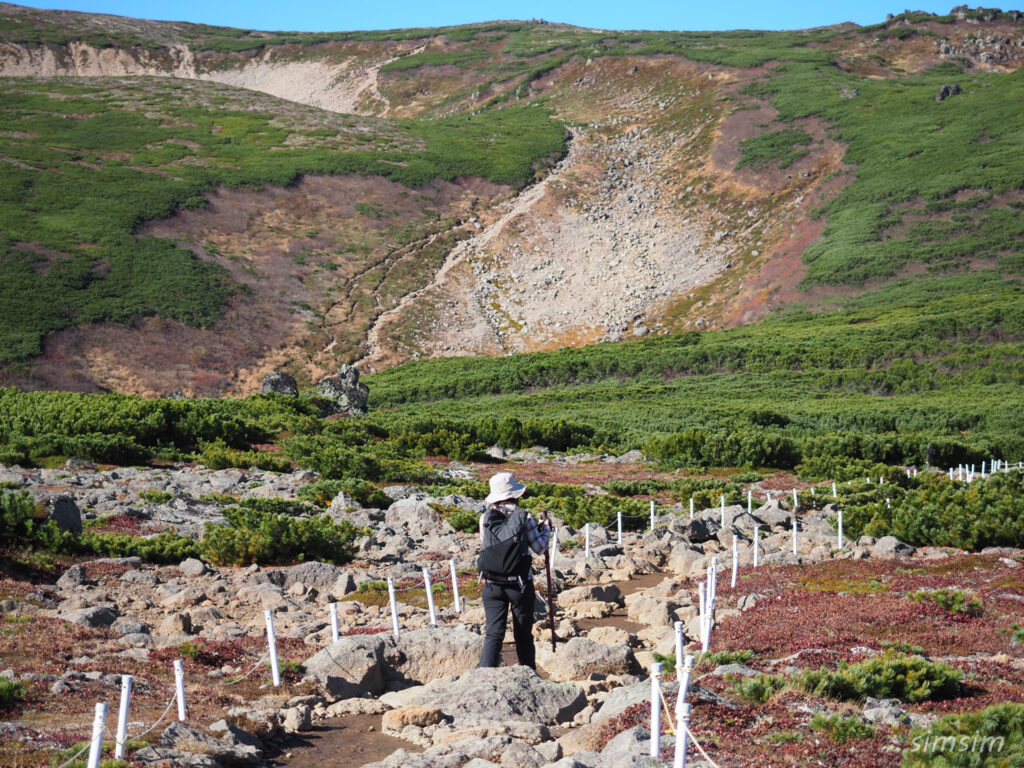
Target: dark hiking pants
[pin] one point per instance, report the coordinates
(497, 600)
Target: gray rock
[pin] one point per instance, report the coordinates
(280, 382)
(737, 670)
(345, 584)
(71, 578)
(890, 546)
(298, 718)
(193, 567)
(180, 736)
(604, 593)
(519, 754)
(630, 749)
(697, 530)
(165, 757)
(126, 625)
(313, 574)
(427, 654)
(885, 712)
(64, 511)
(175, 624)
(140, 577)
(92, 617)
(353, 666)
(231, 734)
(622, 698)
(345, 390)
(503, 693)
(582, 657)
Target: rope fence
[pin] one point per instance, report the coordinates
(441, 571)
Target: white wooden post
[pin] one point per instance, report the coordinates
(702, 602)
(835, 493)
(655, 709)
(735, 560)
(335, 635)
(723, 510)
(679, 650)
(794, 537)
(275, 669)
(179, 688)
(757, 543)
(796, 503)
(618, 524)
(691, 507)
(586, 539)
(430, 596)
(682, 733)
(750, 502)
(99, 723)
(652, 514)
(839, 536)
(122, 717)
(394, 607)
(455, 585)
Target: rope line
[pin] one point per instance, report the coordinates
(259, 661)
(666, 711)
(700, 749)
(159, 719)
(76, 755)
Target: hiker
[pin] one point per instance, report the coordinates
(507, 534)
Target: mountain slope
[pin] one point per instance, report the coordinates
(710, 179)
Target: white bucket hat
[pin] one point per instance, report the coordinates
(504, 486)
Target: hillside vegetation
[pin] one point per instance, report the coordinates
(934, 195)
(88, 162)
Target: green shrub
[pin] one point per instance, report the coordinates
(218, 455)
(991, 738)
(460, 519)
(954, 601)
(365, 493)
(759, 688)
(250, 536)
(718, 658)
(839, 728)
(152, 496)
(888, 675)
(760, 151)
(11, 693)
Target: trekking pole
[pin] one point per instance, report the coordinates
(551, 595)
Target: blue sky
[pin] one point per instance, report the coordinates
(313, 16)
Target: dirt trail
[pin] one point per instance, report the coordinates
(355, 740)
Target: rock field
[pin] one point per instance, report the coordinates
(424, 683)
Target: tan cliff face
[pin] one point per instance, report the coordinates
(644, 227)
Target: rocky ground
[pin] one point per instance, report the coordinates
(69, 639)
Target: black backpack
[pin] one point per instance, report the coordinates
(502, 559)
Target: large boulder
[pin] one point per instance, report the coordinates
(182, 737)
(502, 693)
(280, 382)
(890, 546)
(313, 575)
(344, 389)
(582, 657)
(353, 666)
(92, 617)
(602, 593)
(64, 511)
(427, 654)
